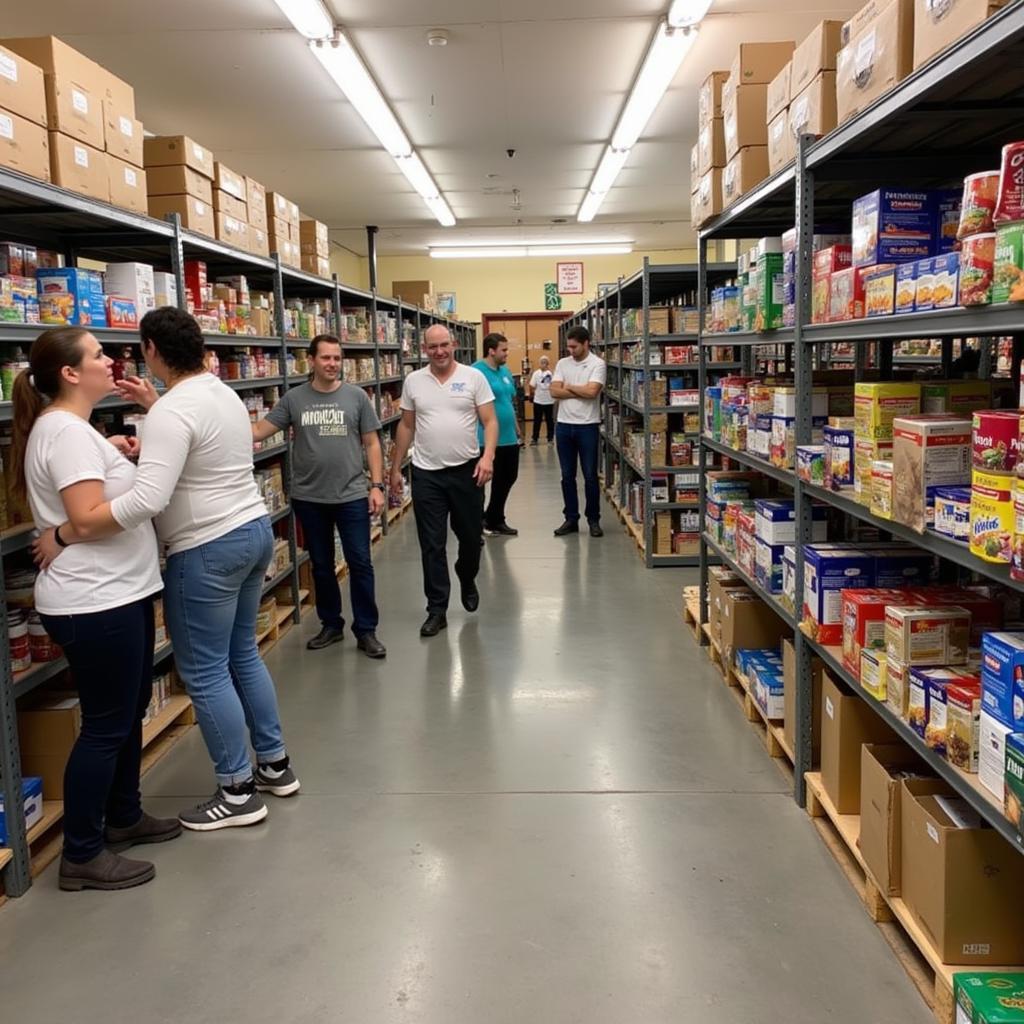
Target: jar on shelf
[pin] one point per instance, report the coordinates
(41, 647)
(18, 641)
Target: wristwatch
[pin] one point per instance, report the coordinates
(379, 486)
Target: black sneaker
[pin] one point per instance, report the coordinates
(569, 526)
(436, 621)
(371, 646)
(595, 530)
(327, 636)
(219, 812)
(505, 530)
(280, 781)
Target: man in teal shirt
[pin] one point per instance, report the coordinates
(506, 456)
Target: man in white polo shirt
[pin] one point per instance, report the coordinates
(577, 384)
(441, 407)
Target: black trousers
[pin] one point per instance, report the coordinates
(111, 659)
(438, 495)
(506, 472)
(545, 414)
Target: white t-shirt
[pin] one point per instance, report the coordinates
(580, 411)
(540, 384)
(97, 575)
(446, 415)
(195, 473)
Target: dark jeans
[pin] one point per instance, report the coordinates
(579, 442)
(436, 496)
(506, 472)
(111, 659)
(352, 520)
(545, 414)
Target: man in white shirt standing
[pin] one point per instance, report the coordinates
(577, 384)
(543, 403)
(441, 407)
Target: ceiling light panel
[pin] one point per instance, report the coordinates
(687, 12)
(510, 251)
(309, 17)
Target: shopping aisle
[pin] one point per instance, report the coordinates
(551, 813)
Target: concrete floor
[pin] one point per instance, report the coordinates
(553, 812)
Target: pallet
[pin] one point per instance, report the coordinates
(840, 833)
(714, 651)
(179, 711)
(691, 610)
(771, 731)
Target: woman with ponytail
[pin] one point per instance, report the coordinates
(96, 601)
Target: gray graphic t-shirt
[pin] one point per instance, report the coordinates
(328, 451)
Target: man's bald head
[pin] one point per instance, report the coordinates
(437, 343)
(437, 332)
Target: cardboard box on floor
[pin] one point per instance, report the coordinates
(847, 723)
(175, 151)
(748, 622)
(46, 733)
(709, 100)
(745, 170)
(963, 886)
(882, 769)
(178, 180)
(24, 146)
(720, 579)
(22, 91)
(817, 53)
(937, 26)
(78, 167)
(789, 700)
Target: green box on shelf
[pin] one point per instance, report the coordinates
(989, 998)
(1013, 792)
(770, 292)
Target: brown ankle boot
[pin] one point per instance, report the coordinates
(105, 871)
(146, 830)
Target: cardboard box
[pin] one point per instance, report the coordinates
(719, 580)
(259, 241)
(817, 53)
(744, 119)
(707, 201)
(317, 265)
(24, 146)
(133, 281)
(748, 622)
(314, 238)
(992, 736)
(126, 184)
(32, 804)
(813, 110)
(233, 230)
(22, 91)
(937, 26)
(789, 700)
(178, 150)
(711, 146)
(759, 63)
(882, 769)
(847, 723)
(74, 110)
(961, 885)
(928, 451)
(229, 181)
(988, 997)
(779, 92)
(194, 213)
(54, 57)
(179, 180)
(921, 636)
(746, 169)
(256, 201)
(224, 202)
(78, 167)
(709, 99)
(877, 57)
(892, 225)
(781, 143)
(282, 208)
(46, 733)
(122, 135)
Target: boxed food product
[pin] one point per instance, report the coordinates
(880, 290)
(845, 295)
(175, 150)
(872, 673)
(831, 259)
(937, 26)
(992, 754)
(24, 146)
(929, 451)
(1002, 662)
(759, 62)
(899, 566)
(709, 99)
(777, 99)
(863, 621)
(813, 110)
(977, 269)
(877, 56)
(743, 121)
(746, 169)
(194, 213)
(985, 998)
(839, 443)
(828, 571)
(127, 185)
(132, 281)
(77, 296)
(817, 53)
(963, 730)
(881, 489)
(768, 687)
(878, 404)
(897, 688)
(810, 464)
(781, 143)
(1008, 274)
(936, 730)
(892, 225)
(32, 807)
(947, 219)
(953, 513)
(78, 167)
(865, 455)
(992, 516)
(916, 635)
(1013, 797)
(711, 146)
(906, 285)
(21, 87)
(960, 397)
(768, 565)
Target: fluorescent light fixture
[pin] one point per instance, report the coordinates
(684, 12)
(441, 210)
(588, 208)
(508, 251)
(309, 17)
(663, 59)
(608, 169)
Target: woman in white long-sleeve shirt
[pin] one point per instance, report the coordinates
(195, 480)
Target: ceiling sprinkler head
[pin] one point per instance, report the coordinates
(437, 37)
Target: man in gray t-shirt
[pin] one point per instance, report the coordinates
(333, 424)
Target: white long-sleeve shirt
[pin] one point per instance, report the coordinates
(195, 476)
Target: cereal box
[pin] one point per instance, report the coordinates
(873, 675)
(880, 290)
(881, 489)
(916, 635)
(936, 731)
(864, 622)
(876, 405)
(1002, 662)
(892, 225)
(838, 457)
(992, 517)
(828, 571)
(1013, 804)
(928, 452)
(810, 463)
(845, 295)
(897, 687)
(906, 286)
(919, 689)
(865, 455)
(963, 715)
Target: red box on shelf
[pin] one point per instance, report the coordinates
(195, 281)
(835, 257)
(846, 295)
(864, 621)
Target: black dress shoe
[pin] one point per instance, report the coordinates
(505, 530)
(371, 646)
(569, 526)
(470, 597)
(436, 621)
(327, 636)
(595, 530)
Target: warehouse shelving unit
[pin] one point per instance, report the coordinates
(605, 318)
(44, 215)
(947, 119)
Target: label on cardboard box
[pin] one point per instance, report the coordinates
(6, 127)
(127, 127)
(8, 67)
(80, 101)
(198, 152)
(865, 53)
(81, 156)
(131, 179)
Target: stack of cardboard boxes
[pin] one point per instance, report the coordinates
(180, 174)
(316, 247)
(78, 130)
(283, 220)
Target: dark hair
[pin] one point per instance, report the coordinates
(50, 353)
(492, 341)
(177, 338)
(579, 333)
(322, 339)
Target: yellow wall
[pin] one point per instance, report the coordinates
(350, 268)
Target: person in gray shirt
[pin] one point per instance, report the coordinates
(333, 424)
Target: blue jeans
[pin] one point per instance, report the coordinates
(352, 519)
(575, 441)
(211, 598)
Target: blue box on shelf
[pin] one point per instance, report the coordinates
(32, 791)
(768, 565)
(85, 288)
(901, 566)
(775, 521)
(906, 286)
(947, 219)
(746, 655)
(892, 225)
(829, 569)
(1002, 658)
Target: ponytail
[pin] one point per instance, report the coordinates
(35, 387)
